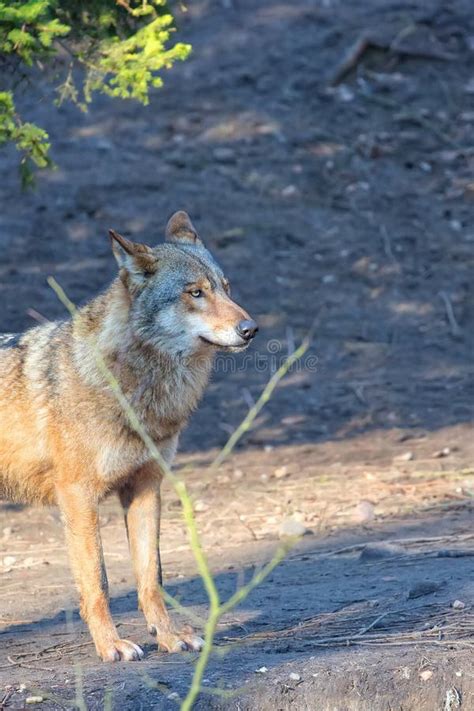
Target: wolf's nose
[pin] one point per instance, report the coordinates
(247, 329)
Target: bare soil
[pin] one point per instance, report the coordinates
(353, 203)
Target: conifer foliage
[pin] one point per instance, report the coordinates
(116, 47)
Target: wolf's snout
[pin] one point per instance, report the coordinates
(247, 329)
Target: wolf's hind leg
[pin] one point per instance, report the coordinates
(81, 517)
(141, 501)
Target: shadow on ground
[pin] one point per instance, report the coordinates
(337, 603)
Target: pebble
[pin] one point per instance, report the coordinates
(200, 506)
(34, 699)
(380, 550)
(343, 93)
(224, 154)
(9, 560)
(261, 670)
(364, 512)
(426, 587)
(405, 457)
(289, 528)
(295, 677)
(458, 605)
(281, 472)
(289, 191)
(445, 452)
(425, 675)
(174, 695)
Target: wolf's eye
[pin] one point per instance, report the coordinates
(196, 293)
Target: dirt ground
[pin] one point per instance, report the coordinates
(353, 203)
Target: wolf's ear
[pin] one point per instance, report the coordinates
(136, 261)
(181, 229)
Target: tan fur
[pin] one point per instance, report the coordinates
(65, 440)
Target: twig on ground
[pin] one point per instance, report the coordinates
(453, 324)
(5, 697)
(37, 316)
(387, 244)
(351, 59)
(369, 41)
(453, 553)
(24, 665)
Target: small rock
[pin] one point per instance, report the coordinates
(380, 550)
(458, 605)
(426, 587)
(34, 699)
(426, 674)
(289, 191)
(291, 529)
(268, 448)
(295, 677)
(281, 472)
(445, 452)
(364, 512)
(405, 457)
(200, 506)
(261, 670)
(9, 560)
(173, 696)
(224, 155)
(103, 144)
(343, 93)
(328, 279)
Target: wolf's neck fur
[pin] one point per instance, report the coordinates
(162, 390)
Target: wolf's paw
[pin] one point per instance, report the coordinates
(184, 641)
(121, 650)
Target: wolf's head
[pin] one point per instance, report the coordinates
(180, 298)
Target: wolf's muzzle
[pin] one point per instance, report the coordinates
(247, 329)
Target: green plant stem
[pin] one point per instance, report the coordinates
(267, 392)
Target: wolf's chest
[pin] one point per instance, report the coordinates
(166, 403)
(162, 405)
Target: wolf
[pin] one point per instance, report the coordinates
(65, 439)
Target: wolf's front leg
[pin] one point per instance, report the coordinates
(142, 505)
(81, 519)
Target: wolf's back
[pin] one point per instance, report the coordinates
(25, 369)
